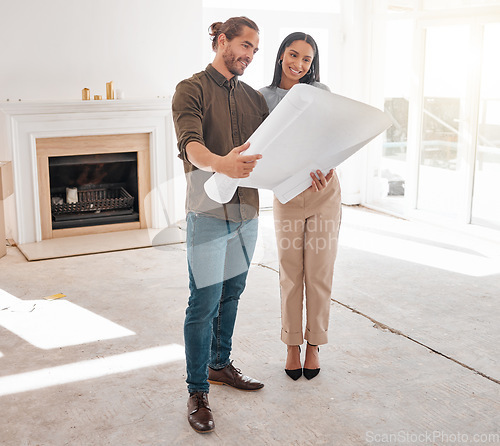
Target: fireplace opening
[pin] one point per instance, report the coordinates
(91, 190)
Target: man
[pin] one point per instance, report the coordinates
(214, 114)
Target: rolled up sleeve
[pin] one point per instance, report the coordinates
(187, 112)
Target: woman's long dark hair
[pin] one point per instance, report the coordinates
(312, 75)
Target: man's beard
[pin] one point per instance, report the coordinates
(232, 63)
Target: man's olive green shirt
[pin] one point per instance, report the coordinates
(221, 115)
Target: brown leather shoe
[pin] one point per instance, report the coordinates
(231, 376)
(199, 413)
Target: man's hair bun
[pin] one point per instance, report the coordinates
(214, 29)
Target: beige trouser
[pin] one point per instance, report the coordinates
(307, 230)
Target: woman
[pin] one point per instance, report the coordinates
(306, 227)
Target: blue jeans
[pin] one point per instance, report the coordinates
(219, 254)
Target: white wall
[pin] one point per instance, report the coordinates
(52, 49)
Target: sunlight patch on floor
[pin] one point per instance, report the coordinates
(58, 323)
(90, 369)
(457, 261)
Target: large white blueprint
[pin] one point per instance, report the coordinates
(309, 129)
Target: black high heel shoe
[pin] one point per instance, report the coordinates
(311, 373)
(295, 374)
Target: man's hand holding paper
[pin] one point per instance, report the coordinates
(237, 164)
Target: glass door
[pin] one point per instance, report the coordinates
(445, 121)
(390, 175)
(486, 195)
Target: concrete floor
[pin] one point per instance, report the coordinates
(413, 358)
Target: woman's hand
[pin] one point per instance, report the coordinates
(320, 181)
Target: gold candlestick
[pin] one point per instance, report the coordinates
(86, 94)
(110, 93)
(97, 97)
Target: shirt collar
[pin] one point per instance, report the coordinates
(219, 78)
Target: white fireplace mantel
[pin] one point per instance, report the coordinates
(21, 123)
(79, 106)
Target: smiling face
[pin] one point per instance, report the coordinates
(236, 54)
(296, 61)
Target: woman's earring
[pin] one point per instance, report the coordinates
(310, 71)
(280, 61)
